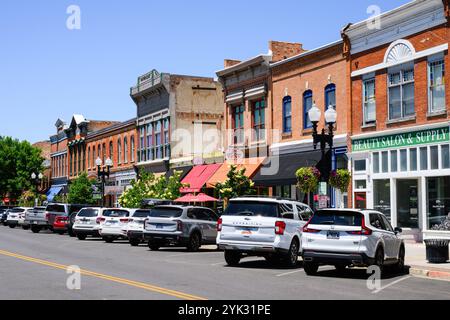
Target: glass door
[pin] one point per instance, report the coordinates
(360, 200)
(408, 203)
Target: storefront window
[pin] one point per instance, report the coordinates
(408, 203)
(382, 197)
(413, 159)
(423, 159)
(394, 161)
(384, 162)
(445, 150)
(360, 165)
(438, 200)
(403, 160)
(360, 184)
(376, 162)
(434, 157)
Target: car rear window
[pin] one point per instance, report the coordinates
(141, 214)
(115, 213)
(338, 218)
(252, 208)
(55, 208)
(166, 212)
(88, 213)
(17, 210)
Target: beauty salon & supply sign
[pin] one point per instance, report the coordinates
(406, 139)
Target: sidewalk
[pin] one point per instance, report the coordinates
(419, 266)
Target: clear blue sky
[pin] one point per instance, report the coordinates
(49, 72)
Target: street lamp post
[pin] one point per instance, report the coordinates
(323, 139)
(103, 174)
(37, 179)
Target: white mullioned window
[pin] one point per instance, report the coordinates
(401, 93)
(369, 101)
(436, 85)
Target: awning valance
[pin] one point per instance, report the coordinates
(198, 176)
(251, 166)
(53, 192)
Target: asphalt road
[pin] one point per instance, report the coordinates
(33, 266)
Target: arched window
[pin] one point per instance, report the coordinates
(93, 157)
(132, 148)
(307, 104)
(125, 150)
(111, 151)
(287, 115)
(330, 96)
(89, 157)
(119, 151)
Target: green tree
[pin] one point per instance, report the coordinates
(150, 187)
(236, 185)
(18, 160)
(80, 190)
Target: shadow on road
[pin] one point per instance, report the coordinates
(263, 264)
(359, 274)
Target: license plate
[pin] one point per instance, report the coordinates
(159, 226)
(35, 222)
(246, 232)
(333, 235)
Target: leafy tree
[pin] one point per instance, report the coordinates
(150, 187)
(18, 160)
(236, 185)
(80, 190)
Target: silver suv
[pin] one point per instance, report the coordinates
(182, 226)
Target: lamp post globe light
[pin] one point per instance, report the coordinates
(103, 174)
(36, 179)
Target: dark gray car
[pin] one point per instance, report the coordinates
(181, 226)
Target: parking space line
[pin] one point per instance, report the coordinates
(288, 273)
(391, 284)
(141, 285)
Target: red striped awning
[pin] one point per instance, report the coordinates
(198, 176)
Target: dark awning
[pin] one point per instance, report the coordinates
(184, 171)
(282, 171)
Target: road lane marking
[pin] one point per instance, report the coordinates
(391, 284)
(288, 273)
(141, 285)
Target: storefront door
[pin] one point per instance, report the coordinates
(408, 203)
(360, 200)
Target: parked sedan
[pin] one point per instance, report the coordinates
(183, 226)
(112, 222)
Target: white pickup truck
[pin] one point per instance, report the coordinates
(260, 226)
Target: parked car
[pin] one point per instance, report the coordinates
(16, 216)
(4, 214)
(262, 226)
(87, 223)
(112, 222)
(185, 226)
(350, 237)
(26, 223)
(134, 229)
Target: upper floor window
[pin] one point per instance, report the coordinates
(330, 96)
(287, 115)
(259, 120)
(125, 150)
(158, 140)
(150, 142)
(132, 151)
(111, 151)
(166, 137)
(119, 151)
(369, 105)
(401, 93)
(89, 157)
(238, 124)
(436, 82)
(307, 105)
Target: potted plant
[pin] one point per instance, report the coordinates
(437, 249)
(308, 179)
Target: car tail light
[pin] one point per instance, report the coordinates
(219, 224)
(364, 230)
(179, 225)
(306, 229)
(124, 220)
(280, 226)
(47, 216)
(100, 220)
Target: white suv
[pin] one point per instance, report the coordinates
(259, 226)
(348, 237)
(87, 222)
(112, 222)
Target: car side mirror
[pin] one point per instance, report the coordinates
(398, 230)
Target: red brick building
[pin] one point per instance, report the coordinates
(399, 115)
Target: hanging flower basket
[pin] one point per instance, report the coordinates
(340, 179)
(308, 179)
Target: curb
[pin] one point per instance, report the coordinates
(433, 274)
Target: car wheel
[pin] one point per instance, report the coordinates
(232, 258)
(153, 247)
(35, 229)
(108, 239)
(400, 266)
(71, 233)
(135, 242)
(81, 237)
(291, 257)
(12, 226)
(194, 243)
(310, 268)
(25, 227)
(379, 260)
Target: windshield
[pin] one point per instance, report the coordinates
(115, 213)
(252, 208)
(39, 208)
(338, 218)
(166, 212)
(141, 214)
(55, 208)
(88, 213)
(17, 210)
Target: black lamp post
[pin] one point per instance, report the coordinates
(36, 179)
(103, 174)
(323, 139)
